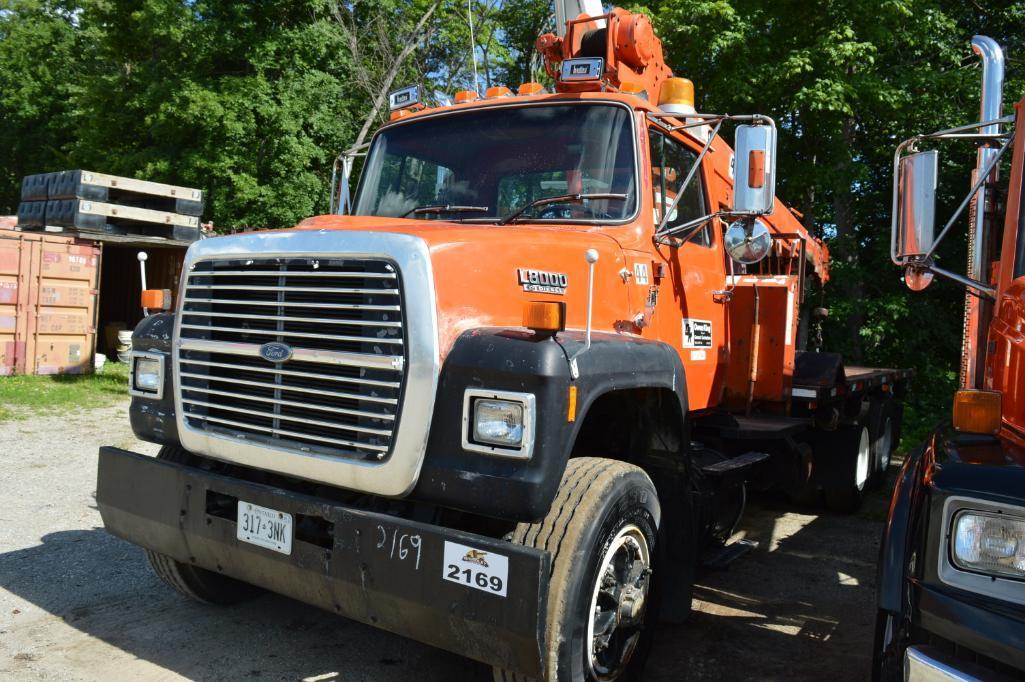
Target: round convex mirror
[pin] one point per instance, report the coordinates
(747, 241)
(917, 280)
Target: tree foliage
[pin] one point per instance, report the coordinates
(252, 101)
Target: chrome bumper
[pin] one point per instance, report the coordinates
(927, 664)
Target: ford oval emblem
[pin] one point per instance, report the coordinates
(276, 352)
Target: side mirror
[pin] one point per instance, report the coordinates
(916, 204)
(747, 241)
(754, 183)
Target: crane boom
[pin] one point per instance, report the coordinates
(571, 9)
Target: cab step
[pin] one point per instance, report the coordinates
(734, 464)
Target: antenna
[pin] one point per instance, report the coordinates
(473, 46)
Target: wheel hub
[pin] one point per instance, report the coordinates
(618, 603)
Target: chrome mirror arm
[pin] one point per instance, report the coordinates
(686, 181)
(968, 282)
(340, 200)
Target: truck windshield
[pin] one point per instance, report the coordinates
(499, 159)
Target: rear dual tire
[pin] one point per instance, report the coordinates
(601, 532)
(846, 491)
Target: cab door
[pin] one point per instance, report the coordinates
(691, 315)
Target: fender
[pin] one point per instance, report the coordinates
(899, 531)
(153, 420)
(515, 360)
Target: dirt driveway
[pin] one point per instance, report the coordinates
(76, 603)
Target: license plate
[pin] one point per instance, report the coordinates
(264, 527)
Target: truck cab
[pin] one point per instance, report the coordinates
(508, 402)
(951, 586)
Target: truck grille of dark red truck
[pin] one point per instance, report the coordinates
(342, 322)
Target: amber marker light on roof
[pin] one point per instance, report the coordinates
(633, 89)
(465, 96)
(677, 92)
(530, 89)
(977, 411)
(498, 91)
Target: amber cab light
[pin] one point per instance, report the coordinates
(498, 91)
(977, 411)
(530, 89)
(465, 96)
(544, 316)
(629, 88)
(156, 299)
(677, 92)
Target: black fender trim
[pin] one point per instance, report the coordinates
(515, 360)
(154, 420)
(898, 533)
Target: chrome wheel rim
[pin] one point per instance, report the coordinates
(864, 457)
(618, 603)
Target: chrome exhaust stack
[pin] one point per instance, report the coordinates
(979, 234)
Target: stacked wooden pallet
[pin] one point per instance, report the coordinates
(97, 203)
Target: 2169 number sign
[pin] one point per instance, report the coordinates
(475, 578)
(476, 568)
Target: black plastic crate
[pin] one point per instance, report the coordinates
(35, 187)
(32, 214)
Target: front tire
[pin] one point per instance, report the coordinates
(195, 583)
(601, 532)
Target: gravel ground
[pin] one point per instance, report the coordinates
(78, 604)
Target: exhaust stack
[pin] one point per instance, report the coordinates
(975, 329)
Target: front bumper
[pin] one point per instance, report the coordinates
(928, 664)
(364, 572)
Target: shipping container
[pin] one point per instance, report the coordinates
(48, 303)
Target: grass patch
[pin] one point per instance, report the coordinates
(26, 396)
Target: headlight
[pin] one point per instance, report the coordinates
(989, 543)
(147, 378)
(498, 422)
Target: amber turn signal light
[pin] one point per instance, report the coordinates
(156, 299)
(977, 411)
(756, 169)
(544, 316)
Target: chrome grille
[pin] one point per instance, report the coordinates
(343, 318)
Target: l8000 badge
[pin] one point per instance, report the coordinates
(542, 282)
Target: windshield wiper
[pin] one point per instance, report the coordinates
(563, 199)
(445, 208)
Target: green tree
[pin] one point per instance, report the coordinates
(248, 101)
(847, 80)
(41, 55)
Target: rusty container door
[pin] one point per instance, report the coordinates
(48, 308)
(16, 256)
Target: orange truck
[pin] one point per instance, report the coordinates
(511, 402)
(951, 587)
